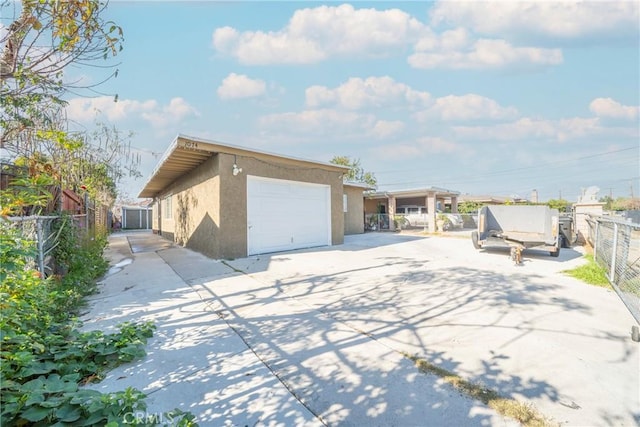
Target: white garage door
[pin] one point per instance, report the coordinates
(284, 215)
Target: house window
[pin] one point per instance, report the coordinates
(168, 207)
(344, 203)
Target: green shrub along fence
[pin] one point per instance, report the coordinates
(44, 358)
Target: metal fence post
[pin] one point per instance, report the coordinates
(595, 241)
(614, 250)
(40, 243)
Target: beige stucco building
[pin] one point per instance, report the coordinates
(227, 201)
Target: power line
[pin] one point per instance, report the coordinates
(536, 166)
(479, 177)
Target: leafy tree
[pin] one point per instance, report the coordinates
(608, 202)
(469, 207)
(560, 204)
(356, 172)
(625, 204)
(41, 41)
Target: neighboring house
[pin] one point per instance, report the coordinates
(353, 204)
(228, 201)
(431, 198)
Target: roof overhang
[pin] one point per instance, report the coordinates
(361, 185)
(186, 153)
(419, 192)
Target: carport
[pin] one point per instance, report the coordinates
(385, 202)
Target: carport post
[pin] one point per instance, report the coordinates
(391, 201)
(454, 204)
(431, 211)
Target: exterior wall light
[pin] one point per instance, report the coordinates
(236, 170)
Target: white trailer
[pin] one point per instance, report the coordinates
(519, 228)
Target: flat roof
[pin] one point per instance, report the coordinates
(361, 185)
(187, 152)
(415, 192)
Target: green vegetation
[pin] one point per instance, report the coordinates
(591, 273)
(523, 413)
(356, 172)
(44, 357)
(560, 204)
(469, 207)
(620, 204)
(472, 207)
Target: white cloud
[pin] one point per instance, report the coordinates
(314, 34)
(420, 147)
(607, 107)
(528, 129)
(437, 145)
(87, 109)
(466, 107)
(552, 19)
(385, 128)
(319, 122)
(236, 86)
(483, 53)
(372, 92)
(177, 110)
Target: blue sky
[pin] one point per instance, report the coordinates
(494, 98)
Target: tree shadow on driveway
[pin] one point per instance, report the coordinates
(529, 336)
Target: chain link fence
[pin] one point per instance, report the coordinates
(45, 232)
(41, 230)
(616, 247)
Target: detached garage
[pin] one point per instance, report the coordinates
(229, 202)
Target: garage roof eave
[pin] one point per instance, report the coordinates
(219, 147)
(186, 153)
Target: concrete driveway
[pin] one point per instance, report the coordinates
(316, 336)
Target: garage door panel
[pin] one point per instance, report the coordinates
(285, 215)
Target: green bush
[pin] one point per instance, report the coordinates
(44, 358)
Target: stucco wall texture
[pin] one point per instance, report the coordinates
(354, 216)
(210, 204)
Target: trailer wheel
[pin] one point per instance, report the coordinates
(635, 333)
(474, 240)
(555, 253)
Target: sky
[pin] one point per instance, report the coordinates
(484, 98)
